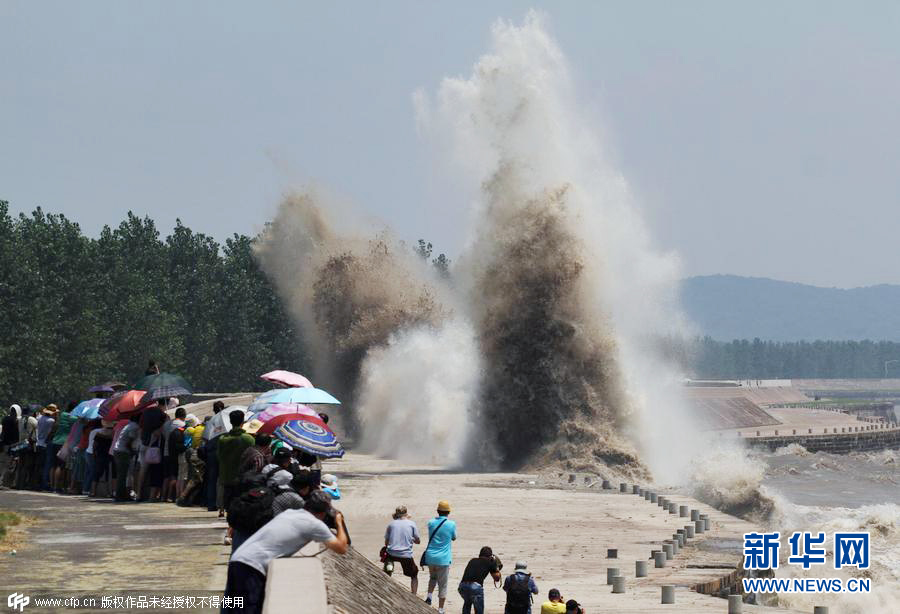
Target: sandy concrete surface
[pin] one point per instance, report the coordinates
(77, 546)
(562, 534)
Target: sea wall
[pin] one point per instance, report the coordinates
(833, 442)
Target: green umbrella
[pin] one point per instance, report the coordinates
(162, 380)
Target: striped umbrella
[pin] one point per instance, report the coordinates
(165, 392)
(310, 435)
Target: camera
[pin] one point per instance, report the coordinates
(498, 562)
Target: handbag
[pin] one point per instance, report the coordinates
(153, 453)
(422, 562)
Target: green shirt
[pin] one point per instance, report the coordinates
(63, 426)
(229, 450)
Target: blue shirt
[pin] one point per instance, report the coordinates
(439, 551)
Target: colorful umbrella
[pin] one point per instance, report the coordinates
(101, 388)
(311, 435)
(280, 409)
(121, 404)
(268, 427)
(287, 378)
(88, 410)
(220, 423)
(308, 396)
(160, 380)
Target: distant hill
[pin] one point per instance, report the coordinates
(727, 307)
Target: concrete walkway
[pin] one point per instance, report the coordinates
(79, 547)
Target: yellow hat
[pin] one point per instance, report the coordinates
(443, 506)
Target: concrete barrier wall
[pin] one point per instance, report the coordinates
(834, 443)
(296, 584)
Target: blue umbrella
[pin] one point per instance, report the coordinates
(89, 410)
(310, 435)
(306, 396)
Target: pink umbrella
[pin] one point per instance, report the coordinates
(278, 409)
(287, 378)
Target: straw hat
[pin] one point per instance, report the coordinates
(443, 506)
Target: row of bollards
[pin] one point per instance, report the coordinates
(699, 523)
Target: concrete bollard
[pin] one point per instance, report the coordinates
(612, 553)
(683, 511)
(673, 508)
(652, 497)
(635, 489)
(647, 495)
(668, 593)
(669, 551)
(659, 558)
(679, 537)
(640, 569)
(698, 527)
(689, 531)
(618, 584)
(695, 515)
(605, 485)
(661, 501)
(820, 609)
(623, 487)
(735, 604)
(571, 478)
(705, 520)
(611, 572)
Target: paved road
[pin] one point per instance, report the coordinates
(78, 546)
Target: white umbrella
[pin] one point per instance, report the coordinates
(221, 423)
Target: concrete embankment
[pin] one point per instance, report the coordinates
(565, 534)
(833, 443)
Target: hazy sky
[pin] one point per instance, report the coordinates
(760, 139)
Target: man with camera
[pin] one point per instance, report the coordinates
(519, 588)
(573, 607)
(471, 588)
(555, 603)
(282, 536)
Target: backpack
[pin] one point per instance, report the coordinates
(250, 510)
(518, 597)
(176, 445)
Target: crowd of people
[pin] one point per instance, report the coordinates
(402, 534)
(275, 499)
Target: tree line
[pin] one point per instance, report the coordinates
(79, 311)
(707, 358)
